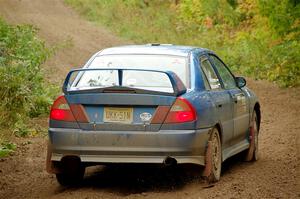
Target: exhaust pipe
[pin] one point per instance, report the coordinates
(169, 161)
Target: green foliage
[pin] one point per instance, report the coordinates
(219, 11)
(282, 14)
(7, 148)
(23, 93)
(256, 38)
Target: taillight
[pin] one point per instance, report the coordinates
(60, 110)
(181, 111)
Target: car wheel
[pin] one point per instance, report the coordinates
(252, 152)
(213, 157)
(71, 174)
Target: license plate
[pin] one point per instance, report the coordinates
(118, 115)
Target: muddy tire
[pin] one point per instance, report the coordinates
(71, 175)
(251, 154)
(213, 158)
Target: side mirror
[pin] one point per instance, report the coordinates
(240, 82)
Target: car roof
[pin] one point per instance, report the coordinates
(160, 49)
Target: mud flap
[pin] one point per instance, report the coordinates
(208, 161)
(250, 152)
(50, 166)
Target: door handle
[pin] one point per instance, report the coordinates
(235, 100)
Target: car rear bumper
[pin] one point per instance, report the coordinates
(186, 146)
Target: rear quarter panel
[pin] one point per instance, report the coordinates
(206, 111)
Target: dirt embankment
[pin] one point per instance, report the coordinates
(275, 175)
(59, 24)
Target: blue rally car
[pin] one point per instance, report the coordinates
(154, 103)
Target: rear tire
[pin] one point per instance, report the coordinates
(71, 174)
(213, 158)
(251, 154)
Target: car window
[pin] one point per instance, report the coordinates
(146, 80)
(210, 73)
(176, 64)
(205, 81)
(226, 76)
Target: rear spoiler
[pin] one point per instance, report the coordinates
(178, 87)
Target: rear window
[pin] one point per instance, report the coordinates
(176, 64)
(98, 78)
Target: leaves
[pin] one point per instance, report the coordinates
(23, 93)
(7, 148)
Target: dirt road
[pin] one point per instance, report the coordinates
(275, 175)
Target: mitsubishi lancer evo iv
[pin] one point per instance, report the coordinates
(154, 103)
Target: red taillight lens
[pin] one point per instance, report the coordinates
(57, 114)
(181, 111)
(60, 110)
